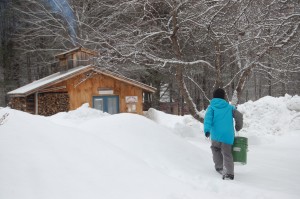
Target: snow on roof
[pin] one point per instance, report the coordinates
(24, 90)
(60, 76)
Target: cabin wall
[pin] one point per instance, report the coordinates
(75, 59)
(82, 58)
(82, 88)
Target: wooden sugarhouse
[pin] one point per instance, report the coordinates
(78, 82)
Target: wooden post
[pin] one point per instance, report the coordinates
(36, 95)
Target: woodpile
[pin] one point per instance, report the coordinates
(18, 103)
(23, 103)
(52, 103)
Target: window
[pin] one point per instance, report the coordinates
(109, 104)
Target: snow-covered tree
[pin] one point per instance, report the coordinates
(202, 44)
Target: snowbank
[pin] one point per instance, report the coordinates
(270, 116)
(78, 116)
(42, 160)
(185, 126)
(264, 117)
(293, 103)
(86, 153)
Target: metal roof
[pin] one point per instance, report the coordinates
(61, 76)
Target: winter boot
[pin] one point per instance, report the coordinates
(228, 177)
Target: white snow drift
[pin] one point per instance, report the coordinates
(89, 154)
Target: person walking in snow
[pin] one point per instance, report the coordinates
(219, 126)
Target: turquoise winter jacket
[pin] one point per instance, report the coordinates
(218, 121)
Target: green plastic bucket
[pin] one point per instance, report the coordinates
(239, 150)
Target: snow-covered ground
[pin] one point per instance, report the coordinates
(89, 154)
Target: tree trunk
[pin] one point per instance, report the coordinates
(180, 70)
(218, 82)
(241, 83)
(184, 92)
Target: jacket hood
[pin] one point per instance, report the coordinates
(218, 103)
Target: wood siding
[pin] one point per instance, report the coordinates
(82, 88)
(75, 59)
(69, 89)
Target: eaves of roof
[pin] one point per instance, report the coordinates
(55, 78)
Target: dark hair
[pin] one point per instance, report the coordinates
(219, 93)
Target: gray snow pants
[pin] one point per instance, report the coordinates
(222, 157)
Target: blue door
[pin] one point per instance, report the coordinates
(109, 104)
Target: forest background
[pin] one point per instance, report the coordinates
(184, 48)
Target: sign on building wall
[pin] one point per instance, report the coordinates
(131, 103)
(106, 91)
(131, 99)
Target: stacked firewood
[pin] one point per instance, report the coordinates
(18, 103)
(52, 103)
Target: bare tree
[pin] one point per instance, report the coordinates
(264, 40)
(204, 44)
(247, 31)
